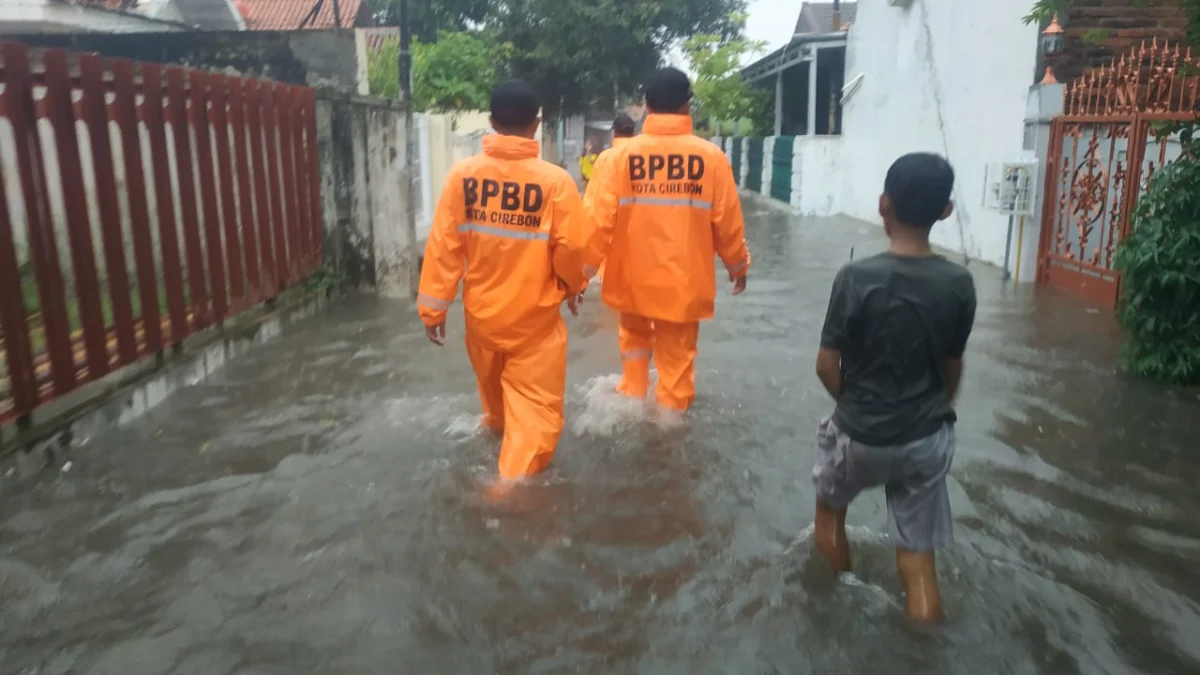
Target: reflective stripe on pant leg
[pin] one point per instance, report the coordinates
(675, 356)
(534, 380)
(636, 338)
(488, 367)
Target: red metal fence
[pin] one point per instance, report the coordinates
(142, 158)
(1103, 150)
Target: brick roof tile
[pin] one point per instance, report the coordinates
(287, 14)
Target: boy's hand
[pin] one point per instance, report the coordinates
(437, 334)
(739, 285)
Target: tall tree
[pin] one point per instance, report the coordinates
(720, 92)
(430, 17)
(574, 51)
(577, 52)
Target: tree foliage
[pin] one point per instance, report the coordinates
(720, 92)
(430, 17)
(455, 73)
(577, 52)
(383, 76)
(1043, 10)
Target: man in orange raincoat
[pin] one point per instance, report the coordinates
(511, 227)
(665, 206)
(623, 129)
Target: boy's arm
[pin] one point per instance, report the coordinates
(729, 228)
(570, 236)
(834, 334)
(445, 261)
(600, 202)
(954, 360)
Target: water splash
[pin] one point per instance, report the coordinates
(465, 426)
(605, 411)
(434, 412)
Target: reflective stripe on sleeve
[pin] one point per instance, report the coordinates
(436, 304)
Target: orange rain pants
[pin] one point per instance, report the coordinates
(673, 348)
(522, 396)
(512, 229)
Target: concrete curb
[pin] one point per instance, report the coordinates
(765, 200)
(131, 392)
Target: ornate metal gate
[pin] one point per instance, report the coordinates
(1103, 150)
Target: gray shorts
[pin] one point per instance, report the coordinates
(913, 474)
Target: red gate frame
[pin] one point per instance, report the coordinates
(1141, 88)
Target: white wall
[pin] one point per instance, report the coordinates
(395, 237)
(946, 76)
(444, 139)
(818, 167)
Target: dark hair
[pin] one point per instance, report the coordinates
(623, 125)
(668, 90)
(919, 185)
(514, 104)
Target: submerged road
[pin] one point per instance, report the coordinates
(317, 508)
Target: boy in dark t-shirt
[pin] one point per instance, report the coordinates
(891, 356)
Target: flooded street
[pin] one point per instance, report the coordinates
(318, 507)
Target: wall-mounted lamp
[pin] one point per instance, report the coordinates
(1053, 43)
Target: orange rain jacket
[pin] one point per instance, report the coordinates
(513, 229)
(598, 171)
(665, 205)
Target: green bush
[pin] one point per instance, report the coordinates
(1160, 267)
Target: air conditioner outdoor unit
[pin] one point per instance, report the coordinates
(1010, 188)
(900, 3)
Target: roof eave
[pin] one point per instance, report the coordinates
(764, 67)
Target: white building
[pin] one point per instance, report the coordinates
(117, 16)
(942, 76)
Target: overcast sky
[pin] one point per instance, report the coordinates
(770, 21)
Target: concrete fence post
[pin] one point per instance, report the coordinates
(1043, 104)
(797, 171)
(745, 168)
(767, 168)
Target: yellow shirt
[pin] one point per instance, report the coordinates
(586, 164)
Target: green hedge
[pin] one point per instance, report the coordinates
(781, 168)
(754, 161)
(1160, 275)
